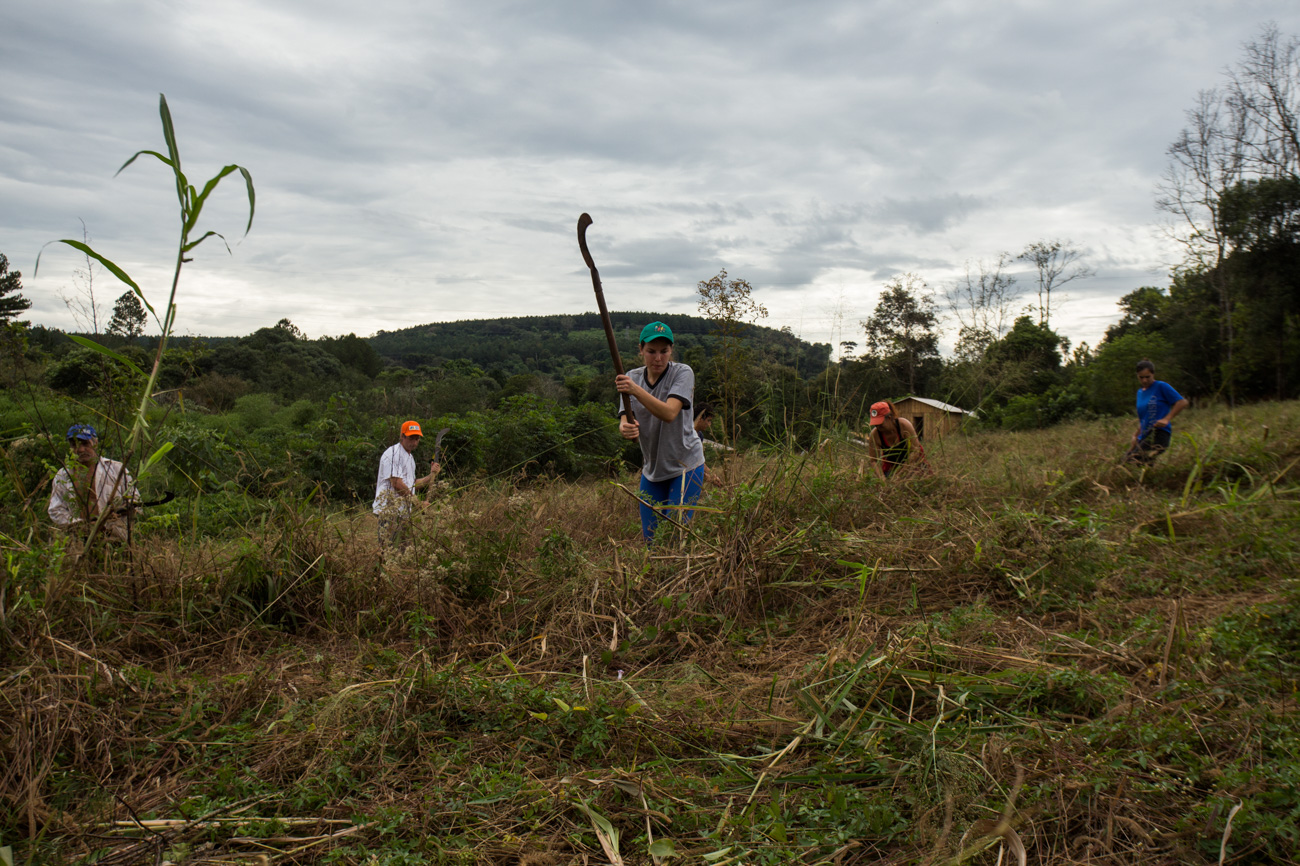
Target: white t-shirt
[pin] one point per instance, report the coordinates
(396, 462)
(113, 485)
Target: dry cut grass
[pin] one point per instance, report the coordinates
(1028, 651)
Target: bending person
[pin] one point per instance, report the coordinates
(672, 455)
(703, 421)
(96, 486)
(891, 440)
(1157, 404)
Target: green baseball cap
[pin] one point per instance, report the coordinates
(655, 331)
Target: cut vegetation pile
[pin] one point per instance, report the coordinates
(1031, 654)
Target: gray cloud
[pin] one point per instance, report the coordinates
(423, 162)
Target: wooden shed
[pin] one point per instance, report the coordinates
(931, 418)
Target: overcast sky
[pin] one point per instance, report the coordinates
(423, 162)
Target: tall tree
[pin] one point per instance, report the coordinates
(1248, 129)
(729, 304)
(1261, 223)
(82, 303)
(1056, 263)
(1027, 359)
(289, 329)
(983, 300)
(11, 300)
(129, 317)
(903, 328)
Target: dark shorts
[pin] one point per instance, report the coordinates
(1152, 444)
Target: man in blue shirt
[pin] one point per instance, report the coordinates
(1157, 404)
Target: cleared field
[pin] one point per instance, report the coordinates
(1028, 648)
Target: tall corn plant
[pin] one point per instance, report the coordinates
(191, 201)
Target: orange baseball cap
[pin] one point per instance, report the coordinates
(411, 428)
(878, 412)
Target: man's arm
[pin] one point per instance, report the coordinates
(434, 469)
(60, 493)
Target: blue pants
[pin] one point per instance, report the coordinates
(684, 489)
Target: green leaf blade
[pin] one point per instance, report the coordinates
(104, 350)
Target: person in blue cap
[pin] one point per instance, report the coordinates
(93, 486)
(672, 455)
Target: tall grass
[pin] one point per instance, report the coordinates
(191, 201)
(1014, 650)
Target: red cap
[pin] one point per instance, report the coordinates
(878, 412)
(411, 428)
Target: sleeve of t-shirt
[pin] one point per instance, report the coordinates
(60, 499)
(1171, 396)
(386, 468)
(683, 386)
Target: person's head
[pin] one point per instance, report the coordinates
(84, 442)
(656, 347)
(411, 435)
(703, 417)
(879, 412)
(1146, 373)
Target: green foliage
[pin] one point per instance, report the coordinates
(1033, 411)
(903, 332)
(355, 353)
(12, 301)
(1111, 378)
(730, 307)
(129, 317)
(1067, 691)
(275, 361)
(553, 345)
(85, 371)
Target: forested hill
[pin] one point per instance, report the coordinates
(552, 344)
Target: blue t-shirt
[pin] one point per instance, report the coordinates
(1154, 403)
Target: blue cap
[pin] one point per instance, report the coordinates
(82, 431)
(656, 331)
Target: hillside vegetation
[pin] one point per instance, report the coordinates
(1027, 646)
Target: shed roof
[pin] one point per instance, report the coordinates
(939, 404)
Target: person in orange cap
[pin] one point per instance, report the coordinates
(891, 440)
(396, 485)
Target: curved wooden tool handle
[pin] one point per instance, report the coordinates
(583, 222)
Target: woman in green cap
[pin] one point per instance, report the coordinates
(672, 455)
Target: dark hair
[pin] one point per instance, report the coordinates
(703, 409)
(1144, 364)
